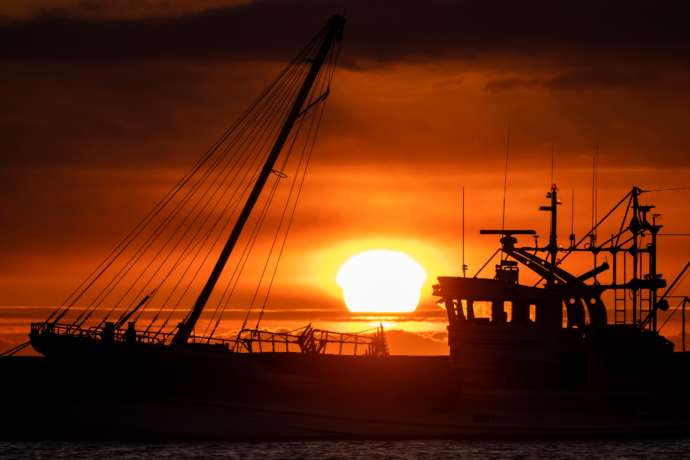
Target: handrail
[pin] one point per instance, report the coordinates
(315, 341)
(120, 335)
(309, 340)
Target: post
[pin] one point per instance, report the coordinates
(464, 265)
(553, 234)
(652, 273)
(635, 254)
(682, 326)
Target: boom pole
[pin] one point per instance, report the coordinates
(334, 30)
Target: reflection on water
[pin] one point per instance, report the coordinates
(432, 449)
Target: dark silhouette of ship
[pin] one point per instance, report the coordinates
(538, 359)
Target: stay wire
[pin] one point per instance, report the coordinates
(195, 212)
(153, 213)
(89, 281)
(197, 185)
(290, 221)
(231, 203)
(171, 311)
(224, 304)
(316, 92)
(249, 245)
(218, 306)
(134, 258)
(223, 138)
(306, 155)
(192, 241)
(143, 248)
(215, 242)
(225, 299)
(670, 315)
(198, 269)
(669, 189)
(234, 166)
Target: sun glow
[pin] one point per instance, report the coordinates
(381, 281)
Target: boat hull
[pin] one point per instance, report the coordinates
(232, 396)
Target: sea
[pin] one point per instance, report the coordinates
(410, 449)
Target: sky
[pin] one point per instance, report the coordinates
(106, 104)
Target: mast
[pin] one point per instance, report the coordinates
(552, 247)
(333, 33)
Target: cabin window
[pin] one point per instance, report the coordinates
(482, 309)
(564, 316)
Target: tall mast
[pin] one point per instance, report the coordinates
(333, 33)
(552, 247)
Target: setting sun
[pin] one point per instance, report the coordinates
(381, 281)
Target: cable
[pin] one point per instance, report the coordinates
(316, 92)
(669, 189)
(286, 100)
(146, 245)
(119, 248)
(671, 314)
(294, 207)
(202, 211)
(317, 89)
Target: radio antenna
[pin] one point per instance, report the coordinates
(552, 165)
(505, 182)
(572, 218)
(595, 192)
(464, 265)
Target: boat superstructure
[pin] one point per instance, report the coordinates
(560, 323)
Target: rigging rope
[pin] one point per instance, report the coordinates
(202, 211)
(247, 186)
(82, 288)
(309, 151)
(321, 88)
(251, 303)
(146, 244)
(671, 314)
(168, 243)
(669, 189)
(266, 99)
(16, 349)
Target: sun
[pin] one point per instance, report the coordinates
(381, 281)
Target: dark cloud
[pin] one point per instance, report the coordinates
(102, 115)
(377, 31)
(578, 79)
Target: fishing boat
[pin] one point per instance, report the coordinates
(525, 360)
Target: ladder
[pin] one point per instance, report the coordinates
(619, 297)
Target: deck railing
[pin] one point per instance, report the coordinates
(303, 340)
(314, 341)
(122, 335)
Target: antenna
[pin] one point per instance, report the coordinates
(596, 185)
(553, 181)
(572, 218)
(595, 180)
(505, 182)
(595, 191)
(464, 266)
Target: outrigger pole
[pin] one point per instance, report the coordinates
(333, 33)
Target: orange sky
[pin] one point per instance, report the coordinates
(91, 141)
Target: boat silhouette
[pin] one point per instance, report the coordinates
(547, 360)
